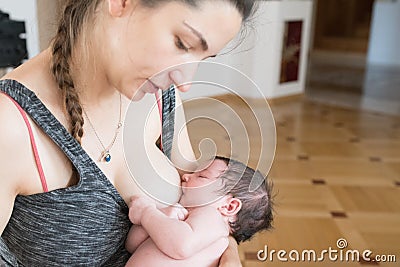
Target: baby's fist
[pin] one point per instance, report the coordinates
(137, 206)
(176, 211)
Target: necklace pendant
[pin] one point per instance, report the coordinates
(106, 156)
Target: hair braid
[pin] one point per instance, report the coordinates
(62, 48)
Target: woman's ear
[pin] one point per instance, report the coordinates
(231, 207)
(117, 7)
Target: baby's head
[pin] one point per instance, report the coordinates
(228, 180)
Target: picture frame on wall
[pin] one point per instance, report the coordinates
(291, 51)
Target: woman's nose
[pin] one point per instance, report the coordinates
(178, 79)
(183, 75)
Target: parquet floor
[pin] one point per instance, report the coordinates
(336, 174)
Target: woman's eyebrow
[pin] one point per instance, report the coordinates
(203, 41)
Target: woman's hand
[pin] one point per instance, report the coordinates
(137, 207)
(230, 258)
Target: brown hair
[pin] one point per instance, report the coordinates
(256, 213)
(245, 7)
(75, 16)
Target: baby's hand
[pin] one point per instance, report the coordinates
(137, 207)
(176, 211)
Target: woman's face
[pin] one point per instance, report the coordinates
(143, 41)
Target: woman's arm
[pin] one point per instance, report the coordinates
(15, 145)
(7, 196)
(230, 258)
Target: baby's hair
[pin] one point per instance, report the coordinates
(256, 213)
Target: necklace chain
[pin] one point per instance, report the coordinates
(105, 154)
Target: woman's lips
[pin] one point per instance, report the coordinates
(152, 88)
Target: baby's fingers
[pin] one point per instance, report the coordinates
(182, 213)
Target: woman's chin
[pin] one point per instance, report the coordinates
(137, 96)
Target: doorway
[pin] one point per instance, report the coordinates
(340, 46)
(338, 72)
(343, 25)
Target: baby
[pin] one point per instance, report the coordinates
(217, 202)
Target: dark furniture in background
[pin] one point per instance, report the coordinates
(12, 44)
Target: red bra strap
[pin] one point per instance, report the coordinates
(33, 143)
(159, 104)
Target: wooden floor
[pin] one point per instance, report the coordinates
(337, 175)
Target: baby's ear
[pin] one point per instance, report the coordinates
(231, 207)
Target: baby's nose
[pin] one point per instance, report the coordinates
(185, 177)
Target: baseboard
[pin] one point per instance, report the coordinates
(272, 101)
(284, 99)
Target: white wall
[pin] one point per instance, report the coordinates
(48, 16)
(25, 10)
(259, 56)
(284, 11)
(385, 34)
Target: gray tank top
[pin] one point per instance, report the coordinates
(82, 225)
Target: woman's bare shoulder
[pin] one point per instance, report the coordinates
(14, 140)
(10, 119)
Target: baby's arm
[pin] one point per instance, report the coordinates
(137, 234)
(180, 239)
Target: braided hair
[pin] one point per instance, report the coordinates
(74, 16)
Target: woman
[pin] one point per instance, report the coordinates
(65, 203)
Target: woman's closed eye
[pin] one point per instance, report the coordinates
(180, 45)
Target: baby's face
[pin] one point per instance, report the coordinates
(199, 187)
(206, 176)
